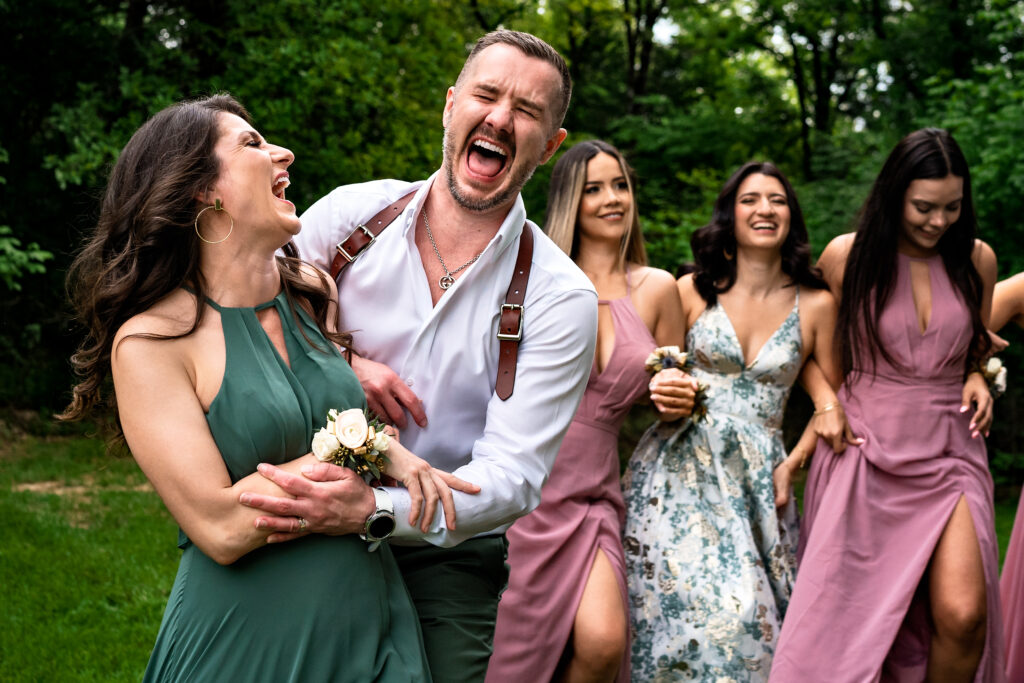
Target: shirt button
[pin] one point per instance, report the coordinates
(408, 381)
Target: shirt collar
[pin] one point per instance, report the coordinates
(511, 227)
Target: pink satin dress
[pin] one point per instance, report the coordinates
(1012, 587)
(552, 549)
(874, 514)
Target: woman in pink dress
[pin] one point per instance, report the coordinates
(563, 616)
(898, 577)
(1008, 305)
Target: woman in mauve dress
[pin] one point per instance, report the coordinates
(898, 577)
(1008, 305)
(563, 616)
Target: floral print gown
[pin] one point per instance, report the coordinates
(710, 563)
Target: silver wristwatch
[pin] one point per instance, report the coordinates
(381, 524)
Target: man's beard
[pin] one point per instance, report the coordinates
(517, 181)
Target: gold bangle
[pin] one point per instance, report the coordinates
(832, 405)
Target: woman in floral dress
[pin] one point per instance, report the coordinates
(710, 559)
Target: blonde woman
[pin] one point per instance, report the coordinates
(564, 615)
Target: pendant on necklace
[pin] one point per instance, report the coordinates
(446, 281)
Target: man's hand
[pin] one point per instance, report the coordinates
(386, 394)
(673, 393)
(332, 500)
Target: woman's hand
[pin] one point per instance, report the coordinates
(976, 392)
(426, 486)
(673, 393)
(830, 423)
(782, 479)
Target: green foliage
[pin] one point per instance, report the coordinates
(356, 88)
(16, 261)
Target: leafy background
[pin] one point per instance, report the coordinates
(687, 89)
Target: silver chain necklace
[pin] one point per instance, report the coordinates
(448, 279)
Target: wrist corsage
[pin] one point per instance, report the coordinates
(353, 438)
(666, 357)
(994, 373)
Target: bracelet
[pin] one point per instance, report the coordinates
(831, 405)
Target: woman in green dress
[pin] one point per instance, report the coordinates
(225, 355)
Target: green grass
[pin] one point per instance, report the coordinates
(86, 563)
(87, 557)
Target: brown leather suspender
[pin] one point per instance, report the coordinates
(510, 317)
(510, 322)
(362, 237)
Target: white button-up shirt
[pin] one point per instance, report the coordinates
(448, 353)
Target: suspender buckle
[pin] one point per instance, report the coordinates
(359, 246)
(515, 321)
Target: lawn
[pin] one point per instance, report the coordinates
(87, 557)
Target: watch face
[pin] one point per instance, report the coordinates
(382, 527)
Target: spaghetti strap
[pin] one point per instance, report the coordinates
(629, 282)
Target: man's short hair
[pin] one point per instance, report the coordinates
(531, 46)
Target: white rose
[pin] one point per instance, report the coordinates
(324, 445)
(381, 441)
(1000, 380)
(993, 366)
(350, 427)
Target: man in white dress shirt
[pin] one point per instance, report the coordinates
(423, 304)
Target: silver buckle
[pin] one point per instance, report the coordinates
(352, 257)
(518, 336)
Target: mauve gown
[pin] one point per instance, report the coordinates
(1012, 586)
(552, 549)
(873, 515)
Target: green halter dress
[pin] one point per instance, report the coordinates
(320, 608)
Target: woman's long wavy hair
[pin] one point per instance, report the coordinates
(714, 245)
(568, 179)
(145, 246)
(871, 267)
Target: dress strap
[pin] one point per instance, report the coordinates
(220, 309)
(629, 282)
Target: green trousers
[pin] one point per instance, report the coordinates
(456, 591)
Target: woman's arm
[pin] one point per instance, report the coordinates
(975, 391)
(166, 430)
(1008, 303)
(673, 392)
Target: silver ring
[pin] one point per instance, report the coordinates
(303, 524)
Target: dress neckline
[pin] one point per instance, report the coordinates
(220, 308)
(735, 337)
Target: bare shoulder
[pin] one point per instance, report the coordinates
(984, 258)
(173, 315)
(693, 302)
(837, 251)
(818, 303)
(654, 281)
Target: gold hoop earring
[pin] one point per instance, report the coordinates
(728, 256)
(216, 207)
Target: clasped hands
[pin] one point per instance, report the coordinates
(334, 500)
(673, 393)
